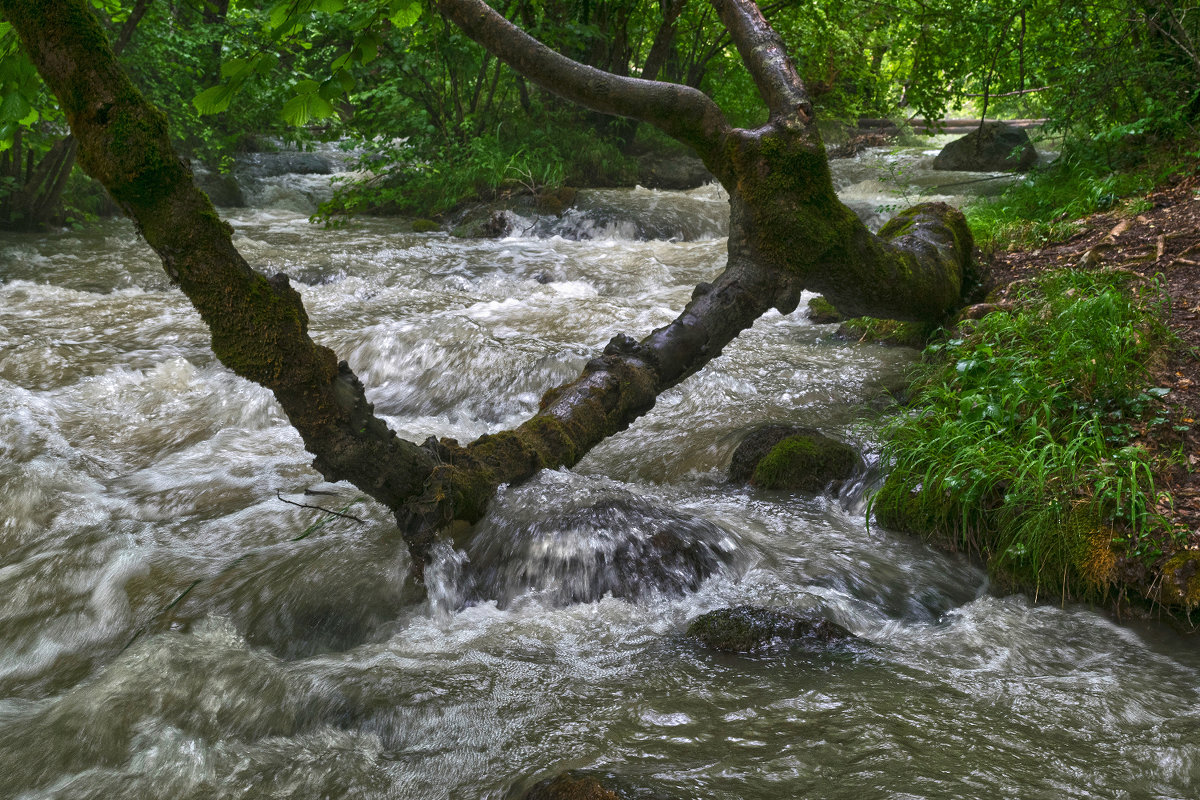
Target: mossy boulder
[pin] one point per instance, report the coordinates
(425, 226)
(900, 506)
(995, 147)
(821, 312)
(792, 458)
(1181, 580)
(889, 332)
(751, 629)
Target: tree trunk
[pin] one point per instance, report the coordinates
(788, 232)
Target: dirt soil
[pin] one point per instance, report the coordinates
(1159, 244)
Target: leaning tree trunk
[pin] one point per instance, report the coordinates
(788, 232)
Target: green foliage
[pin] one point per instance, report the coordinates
(424, 179)
(1021, 440)
(1088, 177)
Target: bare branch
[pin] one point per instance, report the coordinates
(763, 52)
(279, 496)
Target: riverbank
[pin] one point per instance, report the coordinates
(1144, 562)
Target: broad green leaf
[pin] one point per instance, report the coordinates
(14, 107)
(404, 13)
(368, 47)
(329, 6)
(235, 67)
(302, 108)
(215, 99)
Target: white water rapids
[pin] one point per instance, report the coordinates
(135, 472)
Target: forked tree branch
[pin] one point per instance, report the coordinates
(762, 50)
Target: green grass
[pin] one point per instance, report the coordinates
(1021, 437)
(1045, 206)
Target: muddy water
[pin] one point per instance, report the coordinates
(169, 628)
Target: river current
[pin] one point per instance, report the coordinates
(171, 628)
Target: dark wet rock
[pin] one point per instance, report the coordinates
(793, 458)
(672, 171)
(856, 142)
(425, 226)
(751, 629)
(222, 190)
(554, 201)
(268, 165)
(821, 312)
(625, 547)
(997, 147)
(573, 786)
(303, 598)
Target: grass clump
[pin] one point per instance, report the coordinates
(1021, 442)
(1045, 207)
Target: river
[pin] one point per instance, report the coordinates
(170, 628)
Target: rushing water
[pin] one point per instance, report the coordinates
(165, 633)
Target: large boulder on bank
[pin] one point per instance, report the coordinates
(792, 458)
(996, 147)
(750, 629)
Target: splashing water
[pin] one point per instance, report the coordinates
(165, 631)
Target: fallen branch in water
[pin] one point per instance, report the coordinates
(279, 496)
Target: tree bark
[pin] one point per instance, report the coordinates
(788, 232)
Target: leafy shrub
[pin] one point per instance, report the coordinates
(1020, 443)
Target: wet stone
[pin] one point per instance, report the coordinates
(750, 629)
(995, 147)
(625, 547)
(572, 786)
(792, 458)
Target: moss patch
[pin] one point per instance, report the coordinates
(805, 463)
(1181, 579)
(887, 331)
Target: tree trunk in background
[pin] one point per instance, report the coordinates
(36, 203)
(788, 232)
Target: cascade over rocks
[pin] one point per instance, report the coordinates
(994, 147)
(626, 547)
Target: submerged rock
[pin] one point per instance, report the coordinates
(996, 147)
(625, 547)
(572, 786)
(822, 312)
(672, 171)
(222, 189)
(793, 458)
(750, 629)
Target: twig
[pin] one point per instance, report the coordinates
(280, 497)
